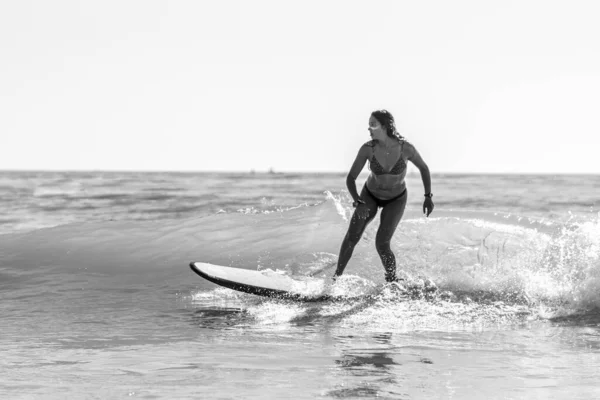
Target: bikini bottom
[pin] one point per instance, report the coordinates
(381, 202)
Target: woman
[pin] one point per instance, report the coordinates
(385, 188)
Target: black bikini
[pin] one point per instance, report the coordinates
(377, 169)
(397, 169)
(381, 202)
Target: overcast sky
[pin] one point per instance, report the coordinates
(477, 86)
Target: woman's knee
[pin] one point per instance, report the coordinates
(383, 247)
(356, 230)
(352, 238)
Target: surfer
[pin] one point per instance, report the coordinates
(385, 188)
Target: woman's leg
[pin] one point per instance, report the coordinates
(391, 214)
(355, 231)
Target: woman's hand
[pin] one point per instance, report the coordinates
(362, 211)
(428, 206)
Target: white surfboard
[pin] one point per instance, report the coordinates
(261, 283)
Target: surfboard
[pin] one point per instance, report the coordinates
(261, 283)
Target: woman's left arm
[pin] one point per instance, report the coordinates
(414, 157)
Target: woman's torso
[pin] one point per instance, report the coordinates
(388, 170)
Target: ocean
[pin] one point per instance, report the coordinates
(97, 299)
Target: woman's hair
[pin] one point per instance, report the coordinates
(386, 119)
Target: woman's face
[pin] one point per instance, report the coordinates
(377, 131)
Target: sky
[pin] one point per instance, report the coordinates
(225, 85)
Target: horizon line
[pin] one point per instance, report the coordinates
(274, 172)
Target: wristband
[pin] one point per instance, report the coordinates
(430, 195)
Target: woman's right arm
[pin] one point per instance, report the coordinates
(357, 166)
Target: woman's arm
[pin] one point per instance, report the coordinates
(357, 166)
(414, 157)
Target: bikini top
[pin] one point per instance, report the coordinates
(377, 168)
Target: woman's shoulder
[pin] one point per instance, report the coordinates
(370, 143)
(367, 149)
(407, 147)
(368, 146)
(405, 142)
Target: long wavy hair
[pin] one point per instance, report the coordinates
(386, 119)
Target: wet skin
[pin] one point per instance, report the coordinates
(386, 186)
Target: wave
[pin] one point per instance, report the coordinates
(482, 256)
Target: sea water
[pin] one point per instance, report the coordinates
(97, 299)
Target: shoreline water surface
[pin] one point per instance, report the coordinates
(98, 300)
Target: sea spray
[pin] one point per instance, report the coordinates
(479, 255)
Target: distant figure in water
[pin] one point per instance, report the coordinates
(385, 188)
